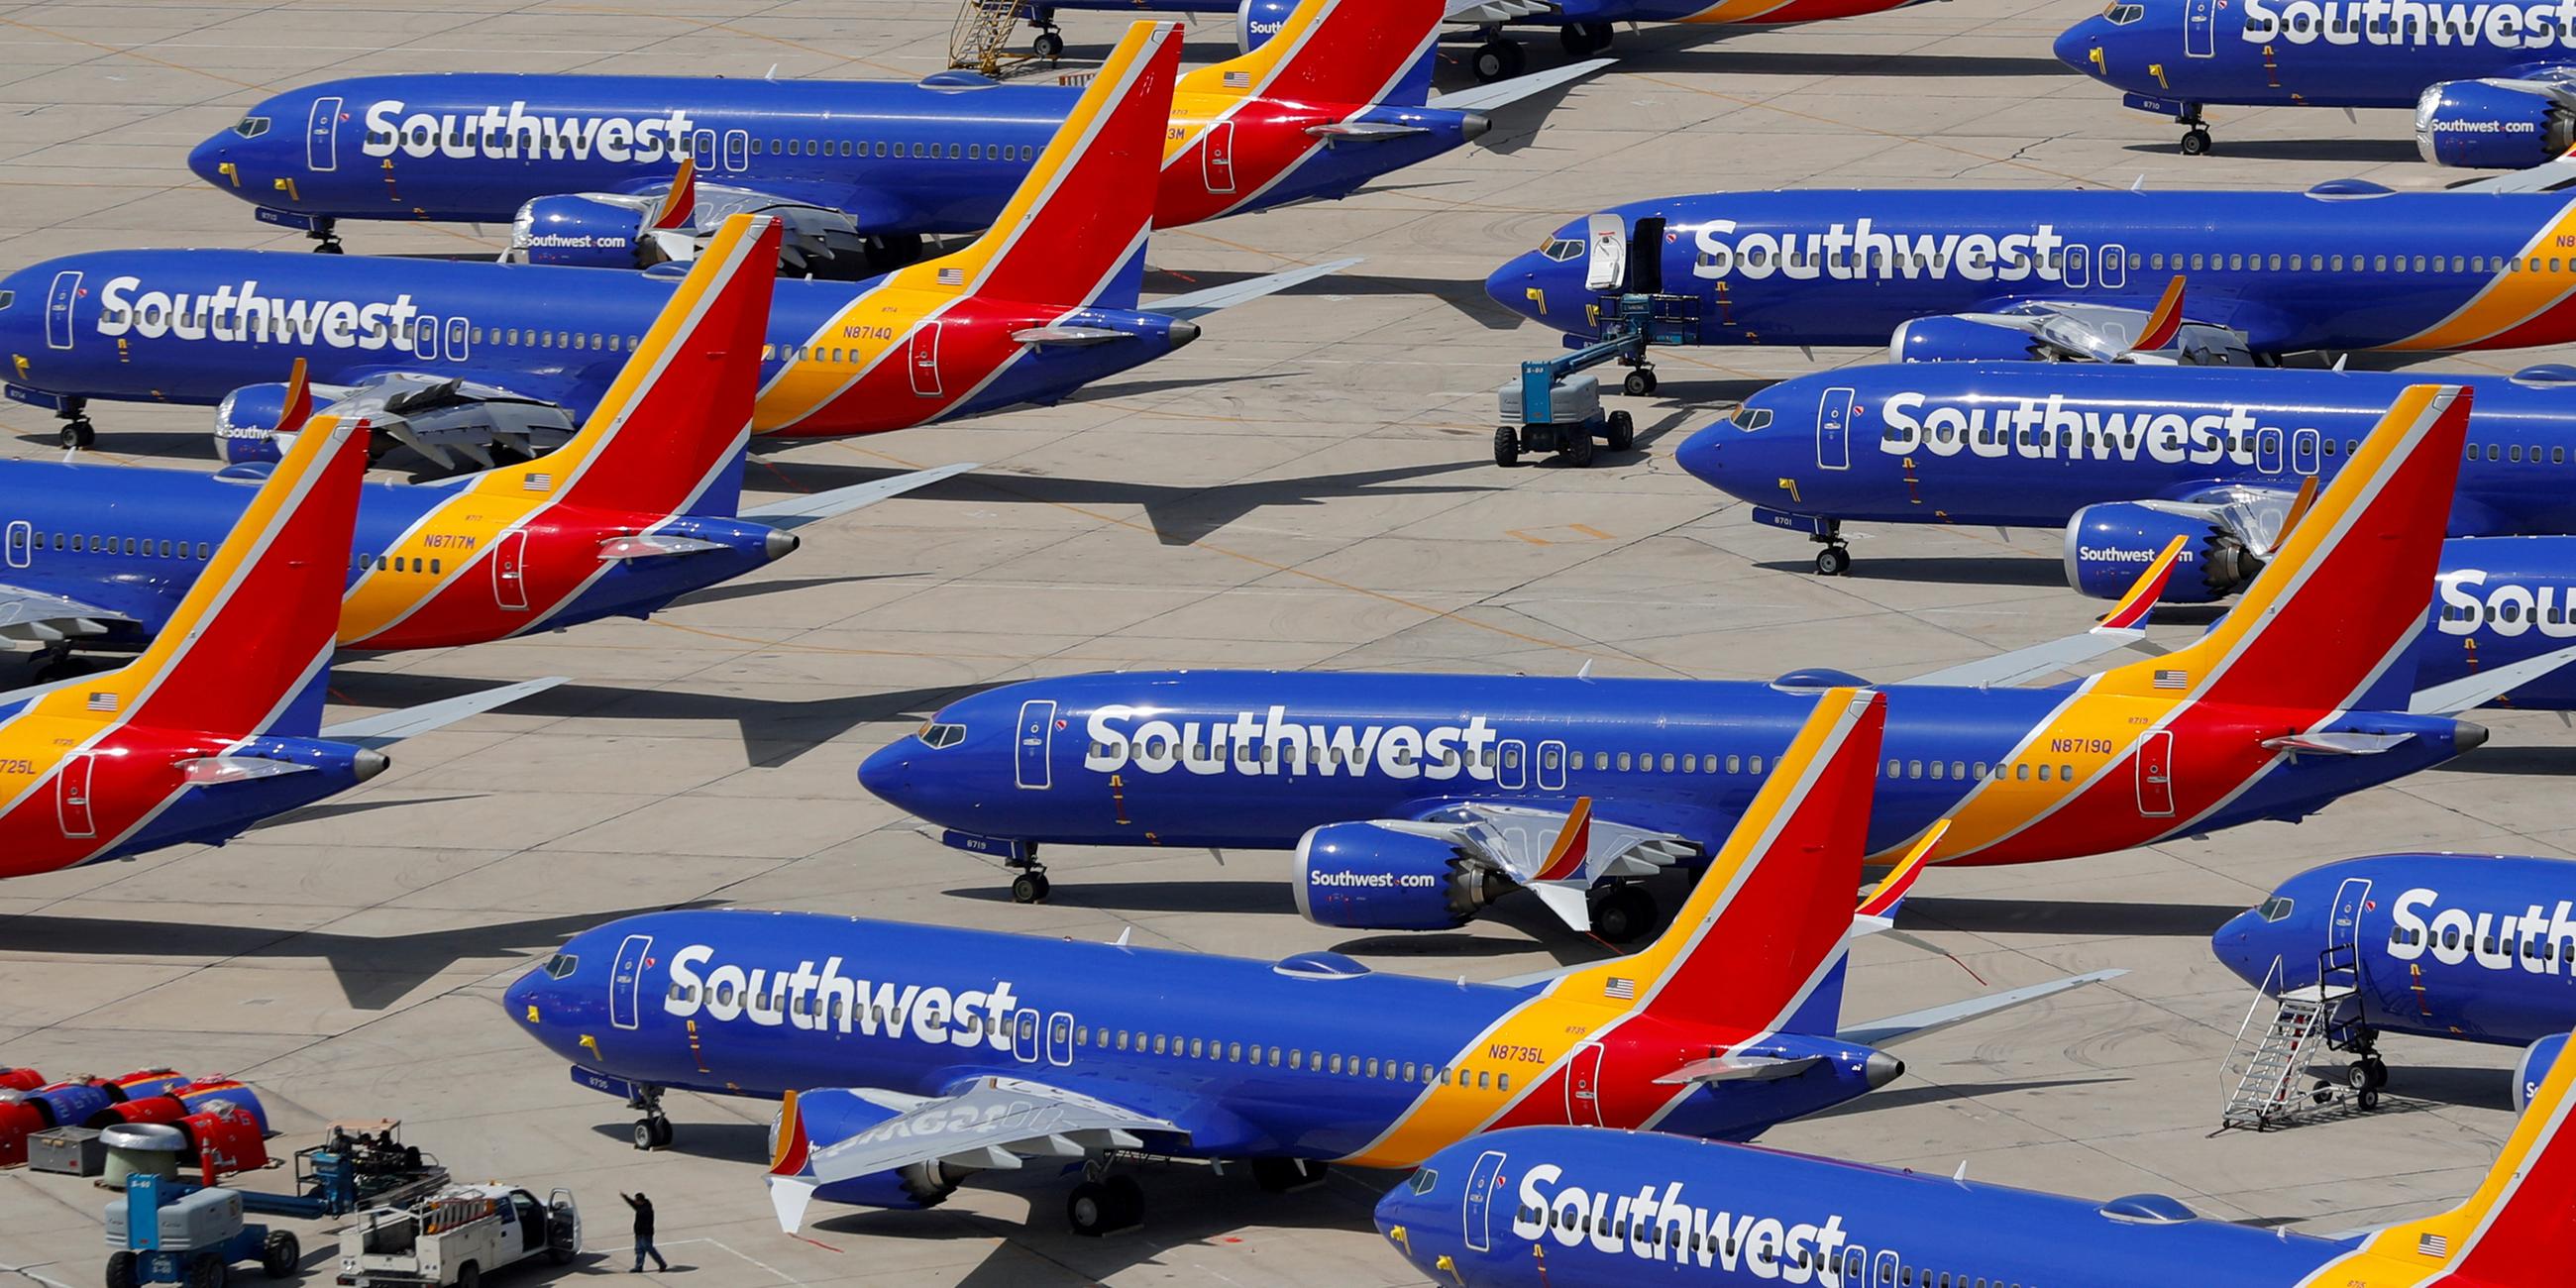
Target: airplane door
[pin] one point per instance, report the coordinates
(71, 796)
(1551, 766)
(1833, 430)
(737, 154)
(1646, 257)
(321, 136)
(2200, 28)
(1024, 1036)
(1608, 265)
(58, 309)
(1059, 1039)
(1482, 1180)
(626, 982)
(424, 339)
(456, 340)
(925, 360)
(1216, 157)
(2113, 267)
(1512, 773)
(1885, 1272)
(509, 572)
(2155, 774)
(702, 148)
(2078, 268)
(22, 542)
(2351, 900)
(2303, 451)
(2267, 450)
(1036, 743)
(1583, 1086)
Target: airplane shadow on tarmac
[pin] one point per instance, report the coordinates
(2066, 917)
(2355, 151)
(1998, 570)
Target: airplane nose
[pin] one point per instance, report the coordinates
(1183, 332)
(1701, 455)
(1515, 286)
(886, 773)
(2079, 47)
(1473, 126)
(2233, 946)
(207, 160)
(779, 544)
(520, 998)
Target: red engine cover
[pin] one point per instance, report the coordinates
(18, 1121)
(150, 1109)
(20, 1079)
(227, 1141)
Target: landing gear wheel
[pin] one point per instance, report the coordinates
(78, 432)
(1639, 383)
(1030, 887)
(1623, 432)
(330, 246)
(279, 1253)
(1507, 446)
(2375, 1070)
(1288, 1175)
(1096, 1208)
(120, 1270)
(1048, 46)
(1498, 60)
(1624, 914)
(1833, 561)
(1577, 450)
(2195, 142)
(653, 1133)
(2365, 1078)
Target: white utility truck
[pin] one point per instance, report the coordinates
(456, 1236)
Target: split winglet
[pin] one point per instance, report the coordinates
(2130, 613)
(2165, 323)
(680, 200)
(1882, 902)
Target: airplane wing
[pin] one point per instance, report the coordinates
(2548, 176)
(32, 615)
(2161, 335)
(1558, 854)
(443, 417)
(2123, 627)
(1197, 304)
(1504, 93)
(1484, 12)
(1915, 1024)
(799, 511)
(386, 728)
(2479, 688)
(992, 1123)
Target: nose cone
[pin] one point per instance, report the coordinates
(2236, 945)
(521, 999)
(888, 773)
(1399, 1218)
(207, 159)
(779, 544)
(2080, 47)
(1703, 455)
(1517, 285)
(1183, 332)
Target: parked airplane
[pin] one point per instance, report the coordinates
(583, 165)
(2462, 947)
(2123, 457)
(639, 508)
(217, 726)
(1043, 304)
(2492, 85)
(1414, 800)
(1567, 1207)
(910, 1056)
(1962, 275)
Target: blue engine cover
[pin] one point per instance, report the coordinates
(2537, 1060)
(2487, 126)
(577, 232)
(1256, 21)
(1368, 876)
(832, 1115)
(2107, 546)
(1948, 339)
(246, 424)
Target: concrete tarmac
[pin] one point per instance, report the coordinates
(1310, 485)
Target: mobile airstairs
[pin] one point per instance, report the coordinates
(2267, 1074)
(981, 39)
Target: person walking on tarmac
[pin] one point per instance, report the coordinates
(644, 1233)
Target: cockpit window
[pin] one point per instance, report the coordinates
(2277, 908)
(943, 735)
(1749, 419)
(2122, 15)
(560, 965)
(252, 127)
(1561, 249)
(1423, 1180)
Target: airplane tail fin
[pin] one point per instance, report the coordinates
(680, 200)
(1074, 233)
(248, 650)
(2514, 1232)
(1765, 930)
(2327, 621)
(668, 436)
(1338, 52)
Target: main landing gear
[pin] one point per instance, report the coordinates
(1031, 885)
(1499, 58)
(76, 432)
(1623, 913)
(1104, 1203)
(652, 1131)
(1835, 559)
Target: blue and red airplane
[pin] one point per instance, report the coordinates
(1565, 1207)
(638, 508)
(583, 166)
(1412, 801)
(467, 353)
(2492, 85)
(2460, 947)
(217, 726)
(909, 1056)
(2088, 275)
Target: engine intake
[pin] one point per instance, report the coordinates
(2537, 1060)
(1948, 339)
(2491, 125)
(246, 428)
(1385, 876)
(1256, 21)
(585, 232)
(2107, 546)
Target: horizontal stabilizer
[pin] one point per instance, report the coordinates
(1064, 335)
(648, 545)
(2475, 690)
(2123, 627)
(1198, 304)
(1571, 901)
(2336, 744)
(1915, 1024)
(1364, 131)
(803, 510)
(1740, 1068)
(1482, 12)
(384, 729)
(1504, 93)
(204, 771)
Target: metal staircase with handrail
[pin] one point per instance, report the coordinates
(2264, 1091)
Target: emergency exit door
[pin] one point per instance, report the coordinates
(2155, 775)
(22, 540)
(925, 360)
(71, 797)
(1216, 157)
(509, 571)
(1583, 1086)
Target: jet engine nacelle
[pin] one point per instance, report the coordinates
(246, 427)
(2537, 1060)
(831, 1116)
(1372, 876)
(1948, 339)
(2491, 125)
(1256, 21)
(2107, 546)
(571, 231)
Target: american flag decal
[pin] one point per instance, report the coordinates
(539, 483)
(102, 702)
(952, 277)
(1620, 990)
(1238, 80)
(2173, 679)
(2434, 1245)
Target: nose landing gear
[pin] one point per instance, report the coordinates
(2195, 140)
(1031, 885)
(1835, 559)
(76, 432)
(326, 237)
(653, 1130)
